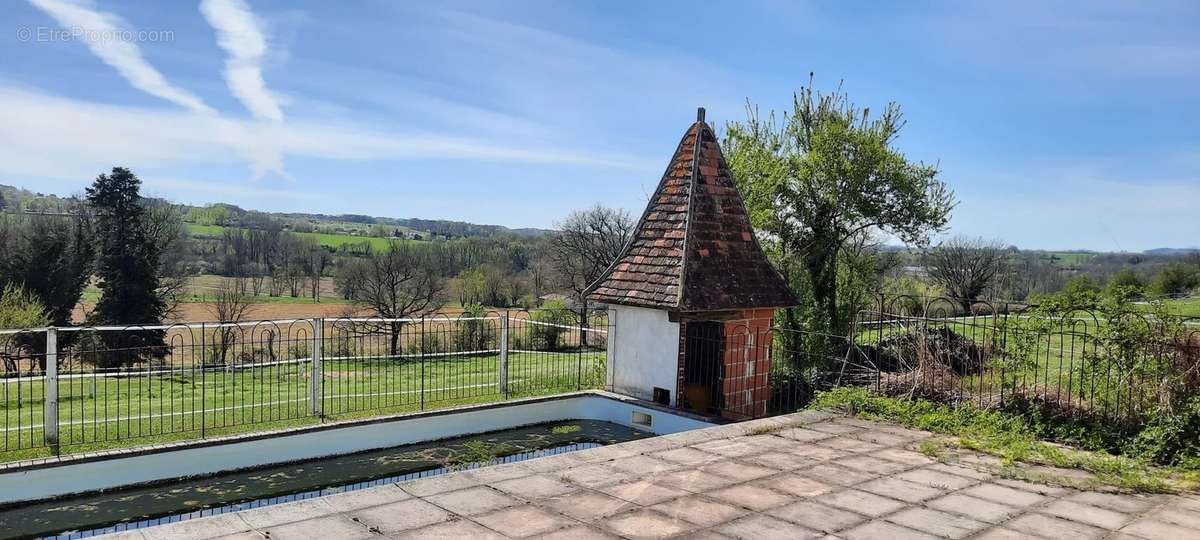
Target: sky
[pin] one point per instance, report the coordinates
(1059, 125)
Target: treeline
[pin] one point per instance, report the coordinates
(971, 269)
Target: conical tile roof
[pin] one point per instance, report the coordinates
(693, 248)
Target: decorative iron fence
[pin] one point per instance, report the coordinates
(1116, 366)
(95, 387)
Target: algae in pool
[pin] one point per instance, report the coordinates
(87, 515)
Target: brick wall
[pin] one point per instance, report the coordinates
(746, 385)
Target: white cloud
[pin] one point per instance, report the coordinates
(122, 55)
(33, 141)
(241, 35)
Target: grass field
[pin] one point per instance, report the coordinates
(166, 405)
(334, 241)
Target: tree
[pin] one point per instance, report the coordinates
(1126, 283)
(966, 267)
(395, 284)
(587, 242)
(830, 172)
(51, 258)
(231, 304)
(127, 266)
(19, 308)
(1176, 279)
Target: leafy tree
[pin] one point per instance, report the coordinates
(49, 257)
(828, 174)
(1176, 279)
(966, 267)
(19, 308)
(1126, 282)
(127, 266)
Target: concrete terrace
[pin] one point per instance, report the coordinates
(806, 475)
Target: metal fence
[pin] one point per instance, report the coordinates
(1117, 366)
(1112, 367)
(93, 387)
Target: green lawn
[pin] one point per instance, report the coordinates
(107, 412)
(325, 239)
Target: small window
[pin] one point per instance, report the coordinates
(642, 419)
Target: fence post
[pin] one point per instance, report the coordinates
(422, 362)
(610, 350)
(50, 390)
(504, 354)
(315, 380)
(582, 346)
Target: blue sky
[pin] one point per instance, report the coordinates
(1059, 125)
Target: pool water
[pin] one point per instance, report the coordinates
(100, 513)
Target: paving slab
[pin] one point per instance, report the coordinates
(862, 502)
(700, 510)
(1053, 527)
(937, 523)
(401, 516)
(796, 485)
(878, 530)
(900, 489)
(587, 505)
(817, 517)
(523, 521)
(647, 523)
(644, 492)
(972, 507)
(1086, 513)
(476, 500)
(751, 496)
(764, 527)
(538, 486)
(322, 528)
(458, 529)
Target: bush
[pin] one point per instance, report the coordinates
(472, 333)
(557, 320)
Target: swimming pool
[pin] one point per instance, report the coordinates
(194, 479)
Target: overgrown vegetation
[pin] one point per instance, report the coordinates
(1161, 456)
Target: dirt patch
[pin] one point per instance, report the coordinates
(942, 346)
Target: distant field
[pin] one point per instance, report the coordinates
(1071, 258)
(325, 239)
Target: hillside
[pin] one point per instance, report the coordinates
(331, 229)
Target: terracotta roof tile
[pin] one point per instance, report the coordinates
(694, 238)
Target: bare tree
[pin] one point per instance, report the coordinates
(318, 260)
(231, 304)
(394, 284)
(966, 267)
(587, 242)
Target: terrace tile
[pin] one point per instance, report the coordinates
(701, 511)
(452, 530)
(471, 501)
(646, 523)
(401, 516)
(535, 487)
(523, 521)
(322, 528)
(587, 505)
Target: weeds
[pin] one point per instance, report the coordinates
(1015, 439)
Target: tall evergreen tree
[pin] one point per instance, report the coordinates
(127, 266)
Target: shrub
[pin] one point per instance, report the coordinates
(557, 320)
(472, 333)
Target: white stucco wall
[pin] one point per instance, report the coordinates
(644, 353)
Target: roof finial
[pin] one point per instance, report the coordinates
(700, 114)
